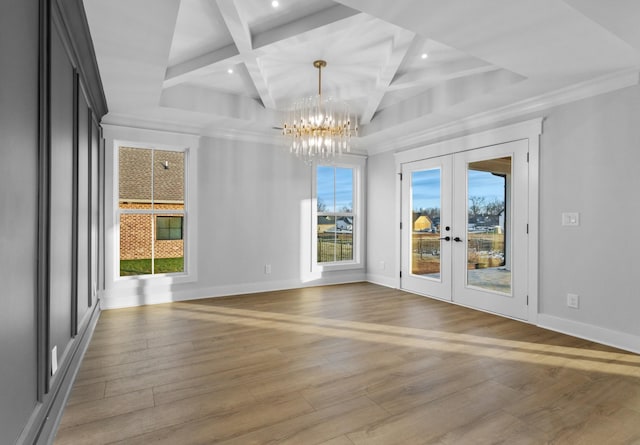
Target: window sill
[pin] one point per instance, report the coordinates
(330, 267)
(160, 279)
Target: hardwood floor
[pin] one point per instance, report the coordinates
(348, 364)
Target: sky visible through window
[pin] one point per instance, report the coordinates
(338, 180)
(426, 187)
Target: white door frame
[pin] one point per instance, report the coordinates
(529, 130)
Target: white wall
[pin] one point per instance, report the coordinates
(382, 255)
(589, 162)
(253, 209)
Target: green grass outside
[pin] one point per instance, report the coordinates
(143, 266)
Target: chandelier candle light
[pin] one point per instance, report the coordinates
(319, 128)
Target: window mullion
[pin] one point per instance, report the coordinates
(153, 217)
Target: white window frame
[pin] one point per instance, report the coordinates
(187, 225)
(357, 163)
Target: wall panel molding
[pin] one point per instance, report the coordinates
(74, 20)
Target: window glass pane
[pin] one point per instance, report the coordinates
(325, 189)
(169, 227)
(135, 178)
(488, 220)
(169, 265)
(344, 190)
(425, 233)
(168, 180)
(344, 238)
(335, 239)
(135, 244)
(162, 222)
(326, 239)
(169, 245)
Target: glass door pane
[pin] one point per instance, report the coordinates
(426, 204)
(488, 221)
(426, 227)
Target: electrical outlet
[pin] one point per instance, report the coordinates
(54, 360)
(267, 269)
(573, 301)
(381, 265)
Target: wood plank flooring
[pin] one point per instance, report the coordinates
(344, 365)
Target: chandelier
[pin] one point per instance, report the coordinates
(319, 128)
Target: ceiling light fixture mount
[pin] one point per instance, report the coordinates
(319, 128)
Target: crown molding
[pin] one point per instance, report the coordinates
(256, 137)
(527, 107)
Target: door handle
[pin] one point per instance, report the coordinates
(457, 239)
(446, 238)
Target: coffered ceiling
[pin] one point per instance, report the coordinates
(230, 68)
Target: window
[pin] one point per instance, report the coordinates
(151, 210)
(169, 227)
(336, 231)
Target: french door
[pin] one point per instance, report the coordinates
(464, 228)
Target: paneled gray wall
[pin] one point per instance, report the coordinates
(18, 214)
(51, 101)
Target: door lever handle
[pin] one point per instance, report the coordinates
(457, 239)
(446, 238)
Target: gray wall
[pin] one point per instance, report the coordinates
(249, 206)
(18, 214)
(589, 158)
(46, 219)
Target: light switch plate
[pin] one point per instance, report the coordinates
(54, 360)
(573, 301)
(570, 219)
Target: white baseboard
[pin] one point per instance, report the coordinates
(382, 280)
(164, 294)
(597, 334)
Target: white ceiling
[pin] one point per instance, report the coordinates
(164, 63)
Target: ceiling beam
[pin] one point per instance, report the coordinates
(402, 43)
(201, 65)
(247, 49)
(241, 35)
(441, 72)
(303, 25)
